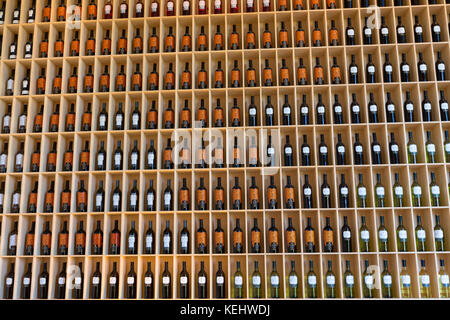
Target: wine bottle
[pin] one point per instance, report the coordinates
(325, 193)
(340, 151)
(349, 281)
(80, 240)
(238, 236)
(26, 283)
(328, 242)
(201, 239)
(386, 281)
(149, 240)
(444, 284)
(46, 239)
(274, 282)
(364, 236)
(379, 193)
(77, 291)
(416, 192)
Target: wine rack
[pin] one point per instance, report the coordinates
(243, 94)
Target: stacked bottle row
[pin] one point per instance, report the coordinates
(215, 233)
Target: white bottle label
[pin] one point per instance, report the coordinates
(444, 280)
(423, 67)
(394, 148)
(401, 30)
(341, 149)
(220, 280)
(347, 235)
(365, 236)
(427, 106)
(287, 110)
(233, 4)
(351, 32)
(338, 109)
(331, 281)
(437, 29)
(368, 32)
(444, 106)
(373, 108)
(95, 280)
(134, 157)
(217, 4)
(349, 280)
(417, 190)
(148, 280)
(413, 148)
(418, 30)
(387, 280)
(26, 281)
(293, 280)
(269, 111)
(183, 280)
(371, 69)
(405, 68)
(323, 149)
(130, 280)
(274, 280)
(238, 281)
(112, 280)
(388, 69)
(288, 150)
(409, 107)
(383, 235)
(165, 280)
(359, 149)
(354, 70)
(312, 281)
(384, 31)
(9, 281)
(344, 191)
(326, 191)
(304, 110)
(305, 150)
(201, 280)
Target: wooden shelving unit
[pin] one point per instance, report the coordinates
(242, 94)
